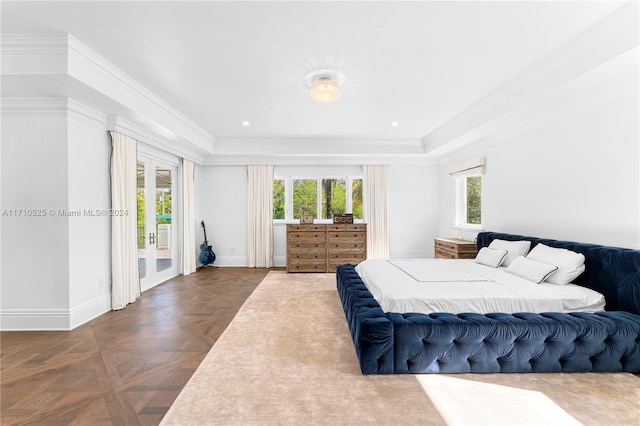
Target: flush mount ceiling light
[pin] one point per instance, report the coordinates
(325, 85)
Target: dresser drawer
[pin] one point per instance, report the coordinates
(306, 255)
(341, 245)
(347, 255)
(306, 266)
(349, 235)
(306, 236)
(305, 228)
(319, 245)
(341, 227)
(333, 264)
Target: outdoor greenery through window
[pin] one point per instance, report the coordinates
(321, 198)
(278, 198)
(473, 196)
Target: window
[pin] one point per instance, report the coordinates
(469, 201)
(473, 206)
(333, 197)
(321, 198)
(468, 176)
(278, 198)
(305, 197)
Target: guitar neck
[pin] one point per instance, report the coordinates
(204, 230)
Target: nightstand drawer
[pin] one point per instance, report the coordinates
(454, 248)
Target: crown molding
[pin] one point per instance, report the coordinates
(316, 159)
(321, 146)
(53, 107)
(34, 107)
(87, 114)
(34, 44)
(84, 55)
(154, 139)
(611, 37)
(47, 54)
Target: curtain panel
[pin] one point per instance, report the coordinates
(260, 216)
(124, 231)
(375, 199)
(188, 215)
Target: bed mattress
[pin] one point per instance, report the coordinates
(460, 286)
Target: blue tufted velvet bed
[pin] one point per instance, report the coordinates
(607, 341)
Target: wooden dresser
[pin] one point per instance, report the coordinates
(322, 247)
(454, 248)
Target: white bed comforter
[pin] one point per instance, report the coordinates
(457, 286)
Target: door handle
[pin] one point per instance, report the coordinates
(152, 239)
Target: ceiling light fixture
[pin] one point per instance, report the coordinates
(325, 85)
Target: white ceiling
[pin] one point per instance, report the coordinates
(419, 63)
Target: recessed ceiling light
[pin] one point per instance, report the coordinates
(394, 123)
(246, 124)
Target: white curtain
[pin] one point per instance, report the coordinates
(124, 231)
(188, 218)
(260, 216)
(375, 201)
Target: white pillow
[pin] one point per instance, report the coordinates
(514, 249)
(491, 257)
(570, 264)
(530, 269)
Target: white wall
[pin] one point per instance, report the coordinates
(56, 267)
(221, 194)
(89, 236)
(221, 201)
(572, 173)
(35, 255)
(413, 210)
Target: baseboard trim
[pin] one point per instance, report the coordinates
(54, 319)
(89, 310)
(34, 319)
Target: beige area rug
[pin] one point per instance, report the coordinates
(287, 359)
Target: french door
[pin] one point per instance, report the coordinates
(158, 243)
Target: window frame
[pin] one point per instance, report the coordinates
(288, 197)
(461, 203)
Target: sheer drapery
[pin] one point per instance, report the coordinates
(375, 202)
(260, 216)
(124, 231)
(188, 218)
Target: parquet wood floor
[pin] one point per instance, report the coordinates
(125, 367)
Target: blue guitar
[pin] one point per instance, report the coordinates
(207, 256)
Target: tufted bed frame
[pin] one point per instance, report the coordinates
(607, 341)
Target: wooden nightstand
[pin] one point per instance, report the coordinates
(454, 248)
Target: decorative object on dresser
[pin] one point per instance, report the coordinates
(322, 247)
(306, 219)
(454, 248)
(343, 218)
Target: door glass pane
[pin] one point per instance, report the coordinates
(164, 206)
(334, 199)
(142, 242)
(305, 197)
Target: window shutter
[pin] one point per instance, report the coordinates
(473, 167)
